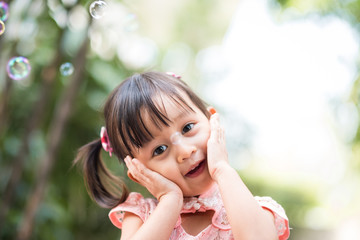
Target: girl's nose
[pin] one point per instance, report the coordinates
(184, 151)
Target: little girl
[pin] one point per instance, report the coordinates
(175, 147)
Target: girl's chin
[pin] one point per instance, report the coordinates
(200, 190)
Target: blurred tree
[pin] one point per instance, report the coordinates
(31, 132)
(47, 116)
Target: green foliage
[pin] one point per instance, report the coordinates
(66, 211)
(296, 199)
(37, 30)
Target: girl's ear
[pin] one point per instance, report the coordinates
(132, 177)
(211, 110)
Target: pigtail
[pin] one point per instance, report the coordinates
(104, 187)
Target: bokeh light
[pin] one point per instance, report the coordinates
(97, 9)
(131, 23)
(4, 11)
(66, 69)
(2, 27)
(18, 68)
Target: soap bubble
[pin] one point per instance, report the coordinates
(97, 9)
(175, 138)
(18, 68)
(4, 11)
(2, 27)
(66, 69)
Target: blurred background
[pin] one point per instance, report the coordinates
(283, 74)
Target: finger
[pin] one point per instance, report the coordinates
(132, 177)
(130, 164)
(221, 134)
(134, 164)
(142, 173)
(131, 168)
(127, 161)
(214, 117)
(215, 127)
(139, 166)
(214, 121)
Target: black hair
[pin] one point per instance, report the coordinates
(124, 113)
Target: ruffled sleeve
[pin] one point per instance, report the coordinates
(136, 204)
(281, 220)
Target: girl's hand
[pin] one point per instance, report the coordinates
(155, 183)
(217, 155)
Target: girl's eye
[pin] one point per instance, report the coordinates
(159, 150)
(187, 127)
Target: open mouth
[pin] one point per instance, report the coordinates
(197, 170)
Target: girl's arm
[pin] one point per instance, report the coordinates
(158, 226)
(161, 222)
(247, 218)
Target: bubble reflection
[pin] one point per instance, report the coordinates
(4, 11)
(66, 69)
(175, 138)
(97, 9)
(2, 27)
(18, 68)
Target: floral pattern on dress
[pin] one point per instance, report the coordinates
(220, 228)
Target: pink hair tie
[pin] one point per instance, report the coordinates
(174, 75)
(105, 141)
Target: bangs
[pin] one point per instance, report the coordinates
(146, 102)
(139, 133)
(141, 97)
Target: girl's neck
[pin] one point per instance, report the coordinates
(206, 193)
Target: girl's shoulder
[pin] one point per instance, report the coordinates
(281, 220)
(136, 204)
(272, 205)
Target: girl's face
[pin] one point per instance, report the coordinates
(179, 151)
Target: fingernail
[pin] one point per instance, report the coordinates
(212, 111)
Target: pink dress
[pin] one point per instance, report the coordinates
(211, 200)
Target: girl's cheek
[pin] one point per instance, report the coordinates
(204, 137)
